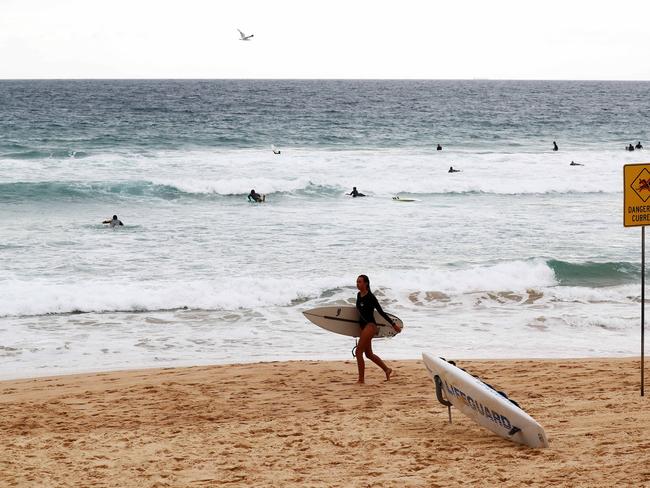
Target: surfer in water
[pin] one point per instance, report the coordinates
(114, 222)
(253, 196)
(367, 304)
(355, 193)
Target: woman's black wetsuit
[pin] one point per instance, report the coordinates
(366, 306)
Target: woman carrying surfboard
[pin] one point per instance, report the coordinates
(367, 303)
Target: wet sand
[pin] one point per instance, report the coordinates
(309, 424)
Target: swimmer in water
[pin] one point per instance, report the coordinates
(355, 193)
(253, 196)
(114, 222)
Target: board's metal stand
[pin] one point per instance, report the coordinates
(440, 395)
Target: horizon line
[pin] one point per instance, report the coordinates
(322, 79)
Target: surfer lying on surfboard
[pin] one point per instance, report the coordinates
(367, 303)
(253, 196)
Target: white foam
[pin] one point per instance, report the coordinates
(38, 297)
(230, 172)
(504, 276)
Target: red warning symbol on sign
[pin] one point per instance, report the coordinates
(641, 185)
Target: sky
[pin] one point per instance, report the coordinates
(405, 39)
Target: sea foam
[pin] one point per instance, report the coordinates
(39, 297)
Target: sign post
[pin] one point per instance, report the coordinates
(636, 212)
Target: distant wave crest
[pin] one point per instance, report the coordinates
(71, 190)
(37, 154)
(208, 189)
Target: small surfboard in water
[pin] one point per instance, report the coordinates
(344, 320)
(399, 199)
(483, 404)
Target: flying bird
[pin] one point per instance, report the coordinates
(244, 37)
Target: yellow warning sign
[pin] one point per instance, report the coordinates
(636, 194)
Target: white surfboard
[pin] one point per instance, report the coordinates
(345, 320)
(483, 404)
(399, 199)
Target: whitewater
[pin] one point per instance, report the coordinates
(518, 255)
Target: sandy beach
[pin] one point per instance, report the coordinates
(309, 424)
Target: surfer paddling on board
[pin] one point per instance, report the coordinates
(367, 304)
(356, 193)
(253, 196)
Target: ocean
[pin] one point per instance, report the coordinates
(518, 255)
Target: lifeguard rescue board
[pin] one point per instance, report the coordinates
(483, 404)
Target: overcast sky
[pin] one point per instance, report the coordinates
(508, 39)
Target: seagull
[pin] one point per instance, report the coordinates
(244, 37)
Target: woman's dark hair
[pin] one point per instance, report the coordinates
(366, 280)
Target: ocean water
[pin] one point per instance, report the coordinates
(518, 255)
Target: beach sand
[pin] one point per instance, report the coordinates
(308, 424)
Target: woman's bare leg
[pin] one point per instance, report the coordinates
(364, 342)
(377, 360)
